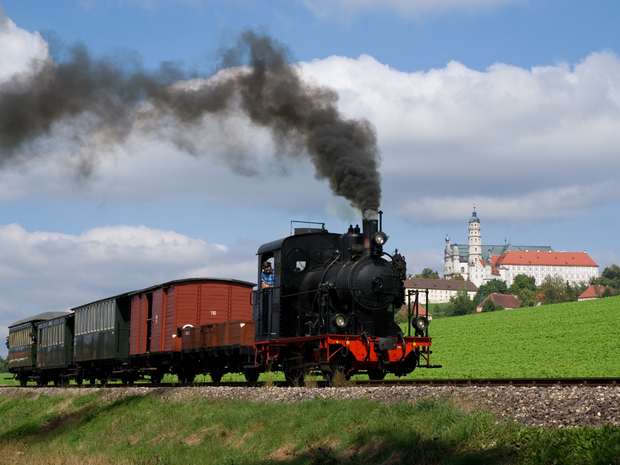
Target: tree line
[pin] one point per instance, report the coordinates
(551, 291)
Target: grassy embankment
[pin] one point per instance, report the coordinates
(87, 429)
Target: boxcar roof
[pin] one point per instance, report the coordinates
(195, 280)
(40, 317)
(169, 283)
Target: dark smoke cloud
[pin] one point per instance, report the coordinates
(256, 78)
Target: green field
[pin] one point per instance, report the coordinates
(574, 339)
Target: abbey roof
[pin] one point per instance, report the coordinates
(543, 258)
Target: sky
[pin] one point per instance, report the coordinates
(509, 105)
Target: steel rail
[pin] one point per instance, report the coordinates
(464, 382)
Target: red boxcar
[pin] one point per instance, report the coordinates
(157, 312)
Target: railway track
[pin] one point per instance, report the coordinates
(532, 382)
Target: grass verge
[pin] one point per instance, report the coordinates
(88, 429)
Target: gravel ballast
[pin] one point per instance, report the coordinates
(549, 407)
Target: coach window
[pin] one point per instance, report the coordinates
(105, 316)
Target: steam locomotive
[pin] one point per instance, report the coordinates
(331, 311)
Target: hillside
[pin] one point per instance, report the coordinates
(575, 339)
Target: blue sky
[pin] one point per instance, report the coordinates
(513, 106)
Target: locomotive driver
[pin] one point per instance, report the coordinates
(266, 276)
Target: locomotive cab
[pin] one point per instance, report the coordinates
(277, 309)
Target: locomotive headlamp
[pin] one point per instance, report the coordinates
(340, 320)
(380, 238)
(421, 323)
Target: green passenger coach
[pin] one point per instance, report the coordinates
(101, 339)
(23, 347)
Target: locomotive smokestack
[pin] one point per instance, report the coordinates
(370, 227)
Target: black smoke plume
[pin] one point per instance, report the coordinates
(257, 78)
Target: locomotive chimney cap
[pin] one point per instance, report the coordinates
(370, 214)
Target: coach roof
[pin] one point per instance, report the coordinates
(40, 317)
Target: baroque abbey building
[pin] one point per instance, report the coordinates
(481, 263)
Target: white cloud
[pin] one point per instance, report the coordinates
(408, 8)
(417, 261)
(527, 144)
(42, 271)
(20, 49)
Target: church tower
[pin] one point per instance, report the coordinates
(475, 242)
